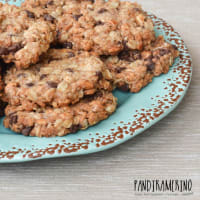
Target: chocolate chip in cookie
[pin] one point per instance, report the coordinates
(49, 18)
(124, 87)
(13, 119)
(102, 10)
(52, 84)
(26, 131)
(30, 14)
(76, 17)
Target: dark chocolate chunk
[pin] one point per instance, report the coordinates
(102, 10)
(98, 94)
(2, 108)
(4, 67)
(17, 85)
(26, 131)
(124, 87)
(15, 47)
(13, 119)
(67, 45)
(175, 47)
(50, 2)
(150, 66)
(43, 76)
(11, 49)
(56, 46)
(130, 56)
(52, 84)
(163, 52)
(124, 43)
(124, 55)
(49, 18)
(92, 1)
(74, 128)
(30, 14)
(89, 98)
(69, 70)
(119, 42)
(76, 17)
(52, 59)
(30, 84)
(98, 23)
(103, 57)
(100, 75)
(119, 69)
(93, 97)
(4, 51)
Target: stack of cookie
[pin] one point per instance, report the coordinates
(63, 59)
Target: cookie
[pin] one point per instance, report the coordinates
(132, 70)
(104, 27)
(23, 38)
(48, 121)
(61, 78)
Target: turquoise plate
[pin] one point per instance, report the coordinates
(135, 113)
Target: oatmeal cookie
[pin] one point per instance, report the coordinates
(104, 27)
(132, 70)
(23, 38)
(62, 77)
(48, 121)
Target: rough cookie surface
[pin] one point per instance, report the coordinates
(132, 70)
(48, 122)
(104, 27)
(23, 38)
(61, 78)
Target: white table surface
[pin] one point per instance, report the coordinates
(168, 150)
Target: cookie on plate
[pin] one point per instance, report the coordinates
(23, 38)
(61, 78)
(48, 121)
(104, 27)
(132, 70)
